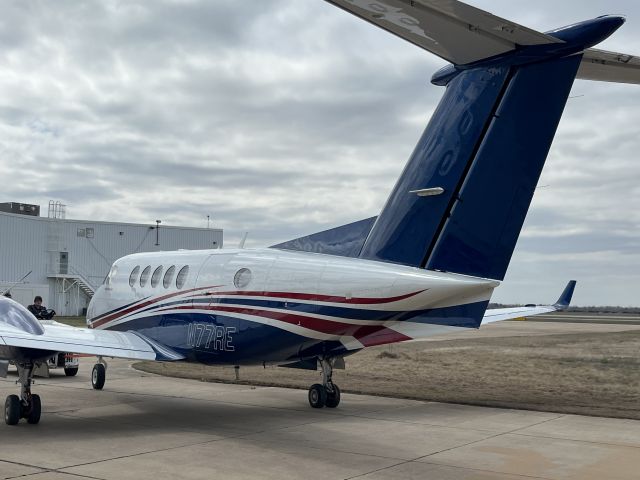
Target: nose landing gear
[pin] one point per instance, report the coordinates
(26, 406)
(326, 394)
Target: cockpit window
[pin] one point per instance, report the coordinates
(182, 277)
(112, 273)
(155, 278)
(144, 276)
(134, 276)
(168, 276)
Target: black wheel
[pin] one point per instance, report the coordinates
(35, 410)
(317, 396)
(12, 410)
(98, 376)
(70, 371)
(333, 397)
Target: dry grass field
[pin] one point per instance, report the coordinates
(521, 365)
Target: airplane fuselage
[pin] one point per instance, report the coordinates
(275, 306)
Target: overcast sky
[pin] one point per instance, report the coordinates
(286, 117)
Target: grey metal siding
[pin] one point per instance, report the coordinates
(35, 243)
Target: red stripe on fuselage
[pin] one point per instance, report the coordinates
(288, 295)
(317, 297)
(101, 321)
(368, 335)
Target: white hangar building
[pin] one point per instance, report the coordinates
(69, 259)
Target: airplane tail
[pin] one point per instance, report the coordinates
(462, 198)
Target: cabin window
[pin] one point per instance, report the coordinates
(155, 278)
(181, 278)
(168, 276)
(134, 276)
(144, 276)
(242, 278)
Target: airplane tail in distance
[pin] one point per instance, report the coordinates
(462, 199)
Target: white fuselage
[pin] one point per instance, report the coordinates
(229, 301)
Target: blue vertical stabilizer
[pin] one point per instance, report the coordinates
(408, 223)
(463, 197)
(485, 221)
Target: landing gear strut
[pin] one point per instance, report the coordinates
(28, 405)
(326, 394)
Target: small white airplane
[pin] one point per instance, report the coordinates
(427, 264)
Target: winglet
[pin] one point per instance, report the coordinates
(565, 299)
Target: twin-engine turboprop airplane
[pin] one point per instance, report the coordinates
(427, 264)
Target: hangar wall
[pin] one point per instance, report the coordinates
(69, 259)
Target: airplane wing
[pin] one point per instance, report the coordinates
(20, 331)
(452, 30)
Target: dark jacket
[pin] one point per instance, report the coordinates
(40, 312)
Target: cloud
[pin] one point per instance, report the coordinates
(285, 118)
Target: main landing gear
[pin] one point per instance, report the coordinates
(27, 405)
(326, 394)
(99, 374)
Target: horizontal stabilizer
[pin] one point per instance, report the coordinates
(609, 67)
(497, 314)
(452, 30)
(463, 35)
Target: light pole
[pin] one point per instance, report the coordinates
(158, 222)
(207, 221)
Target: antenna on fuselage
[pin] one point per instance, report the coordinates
(244, 239)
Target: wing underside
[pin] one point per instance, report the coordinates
(455, 31)
(62, 338)
(462, 34)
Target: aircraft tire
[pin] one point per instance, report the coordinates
(98, 376)
(71, 371)
(317, 395)
(35, 411)
(12, 410)
(333, 398)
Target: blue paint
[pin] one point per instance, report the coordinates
(344, 241)
(575, 39)
(587, 33)
(484, 224)
(565, 299)
(254, 342)
(408, 224)
(485, 145)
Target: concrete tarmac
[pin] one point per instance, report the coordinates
(147, 427)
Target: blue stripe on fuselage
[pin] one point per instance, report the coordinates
(459, 315)
(254, 342)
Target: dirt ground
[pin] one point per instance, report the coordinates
(548, 367)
